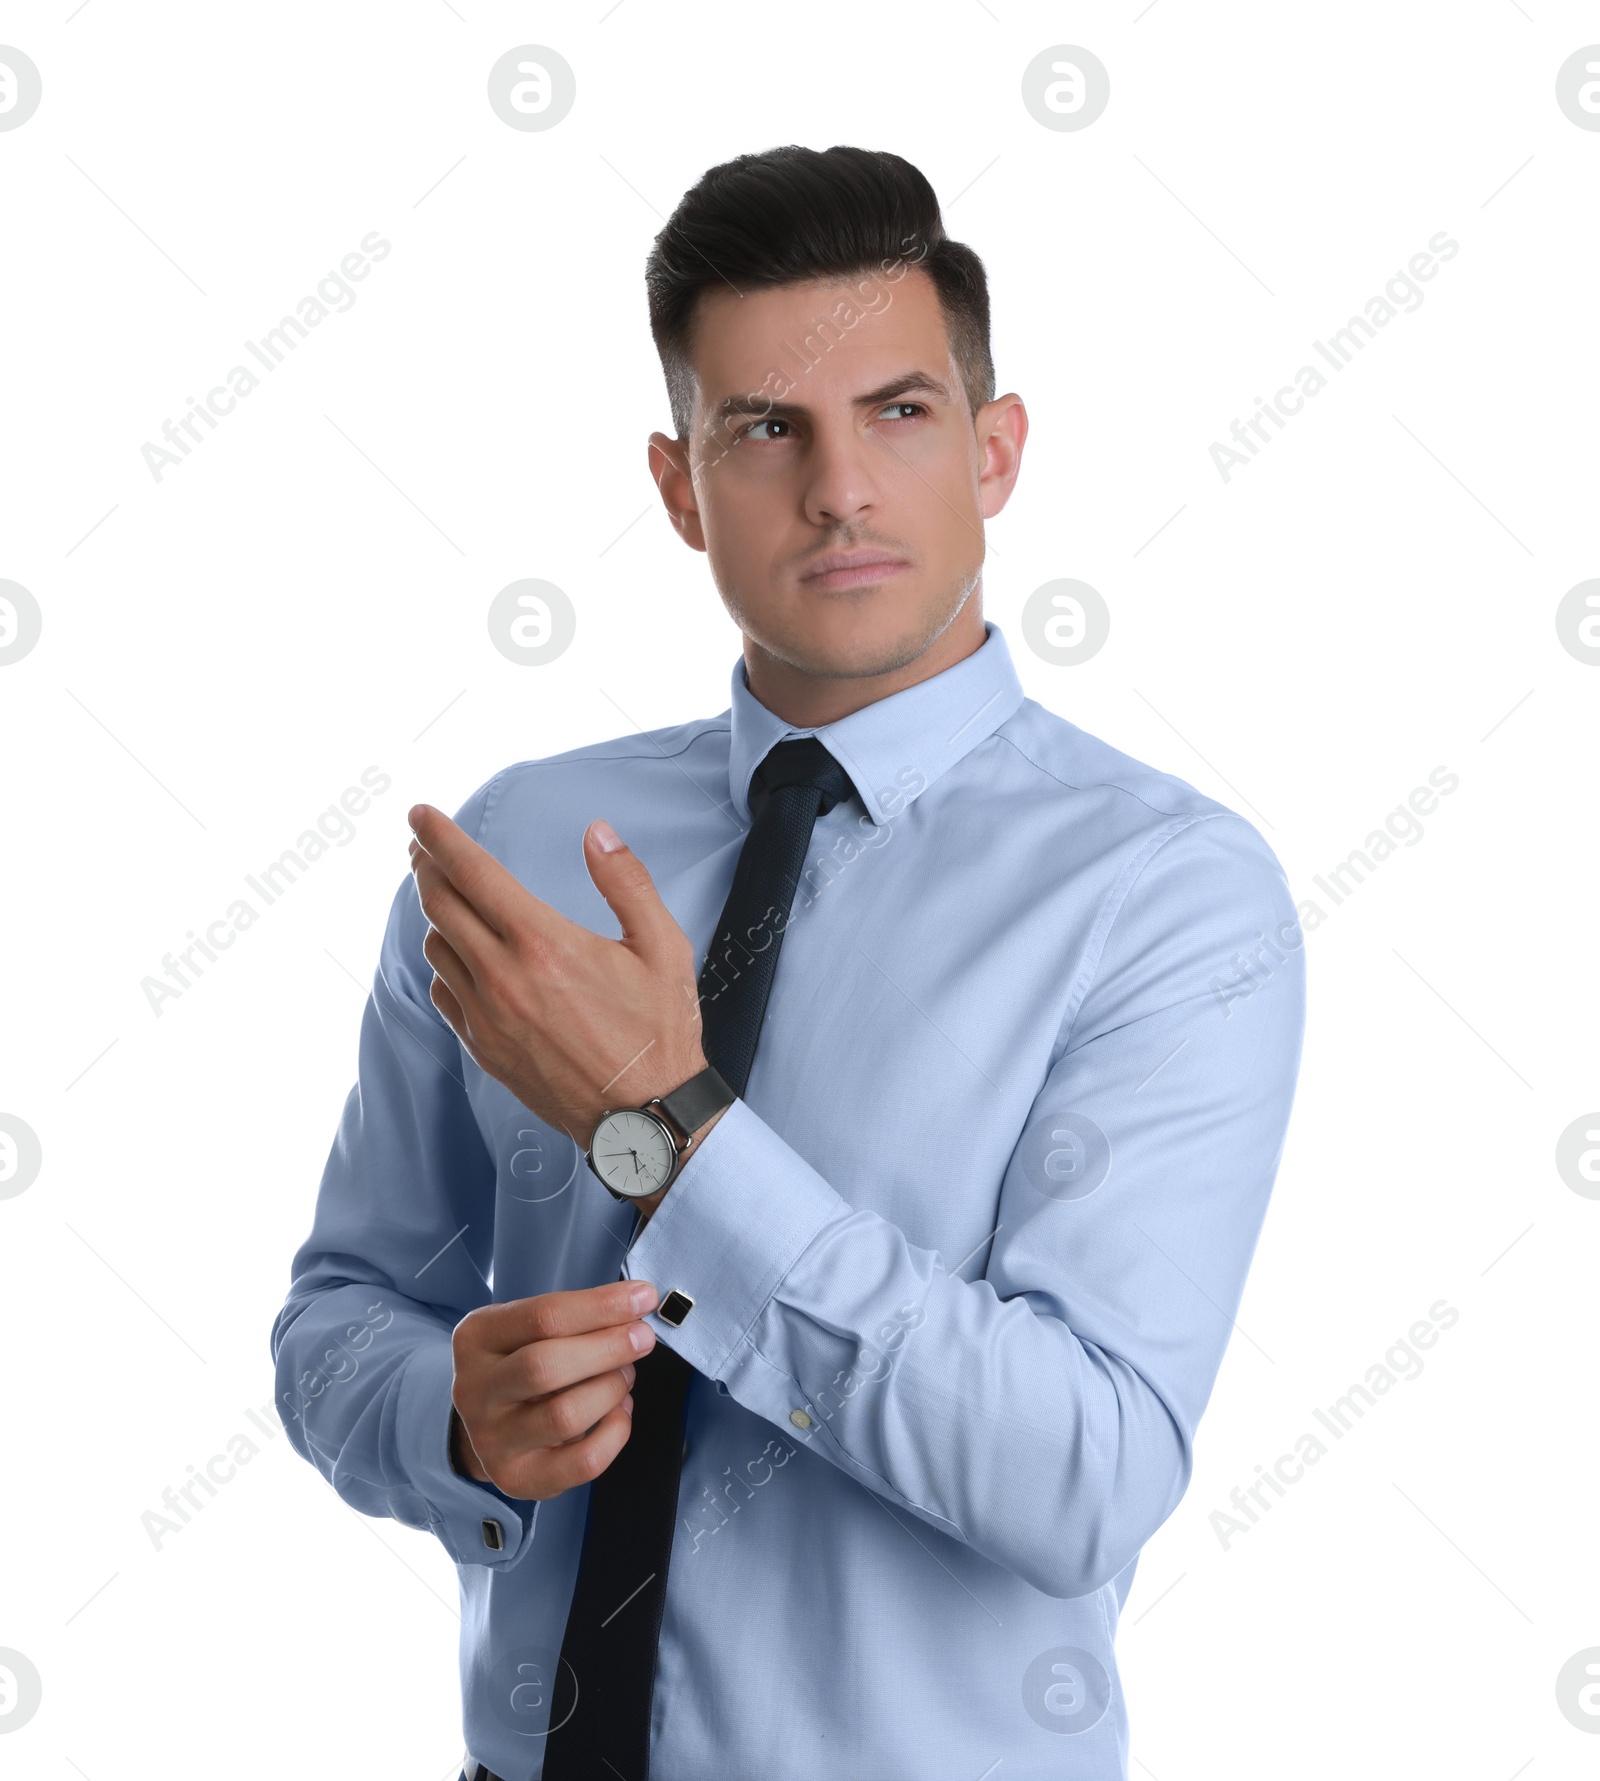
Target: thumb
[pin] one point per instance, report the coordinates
(623, 879)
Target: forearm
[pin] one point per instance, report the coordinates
(1044, 1412)
(991, 1422)
(363, 1386)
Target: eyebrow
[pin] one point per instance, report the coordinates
(896, 386)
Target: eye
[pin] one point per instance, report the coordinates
(915, 407)
(750, 431)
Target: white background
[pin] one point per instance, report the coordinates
(225, 650)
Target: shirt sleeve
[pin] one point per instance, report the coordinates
(1043, 1413)
(398, 1254)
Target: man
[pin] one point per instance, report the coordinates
(794, 1353)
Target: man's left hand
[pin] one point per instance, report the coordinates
(572, 1023)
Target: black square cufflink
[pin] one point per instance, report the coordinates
(675, 1307)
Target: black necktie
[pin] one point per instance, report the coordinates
(614, 1622)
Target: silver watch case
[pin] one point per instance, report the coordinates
(677, 1140)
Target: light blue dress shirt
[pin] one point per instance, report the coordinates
(964, 1258)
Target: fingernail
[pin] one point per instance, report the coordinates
(630, 1372)
(642, 1337)
(607, 837)
(627, 1403)
(643, 1296)
(415, 813)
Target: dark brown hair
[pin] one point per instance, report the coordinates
(793, 215)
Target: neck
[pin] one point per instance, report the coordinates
(809, 701)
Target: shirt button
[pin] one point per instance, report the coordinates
(800, 1419)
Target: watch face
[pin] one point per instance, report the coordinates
(633, 1153)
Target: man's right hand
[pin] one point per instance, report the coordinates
(541, 1397)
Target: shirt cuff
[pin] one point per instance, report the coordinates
(743, 1210)
(477, 1524)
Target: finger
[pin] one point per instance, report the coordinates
(496, 895)
(542, 1368)
(624, 880)
(455, 994)
(565, 1415)
(443, 998)
(449, 967)
(551, 1470)
(453, 917)
(502, 1329)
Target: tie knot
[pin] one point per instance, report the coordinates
(801, 761)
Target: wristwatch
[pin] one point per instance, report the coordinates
(637, 1152)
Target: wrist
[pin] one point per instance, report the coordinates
(682, 1073)
(463, 1460)
(696, 1139)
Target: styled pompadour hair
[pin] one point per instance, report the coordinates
(797, 215)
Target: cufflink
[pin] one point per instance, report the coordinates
(674, 1308)
(494, 1536)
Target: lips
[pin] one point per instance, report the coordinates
(852, 568)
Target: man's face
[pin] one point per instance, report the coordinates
(831, 423)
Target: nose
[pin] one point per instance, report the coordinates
(842, 483)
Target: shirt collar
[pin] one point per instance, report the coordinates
(895, 748)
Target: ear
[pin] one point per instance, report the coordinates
(1002, 429)
(669, 466)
